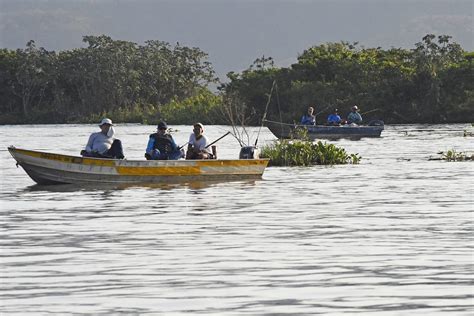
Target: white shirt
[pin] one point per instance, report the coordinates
(99, 142)
(200, 143)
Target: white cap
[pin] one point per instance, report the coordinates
(200, 125)
(106, 121)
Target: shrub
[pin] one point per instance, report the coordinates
(202, 107)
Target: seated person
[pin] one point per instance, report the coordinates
(103, 144)
(309, 118)
(161, 145)
(354, 117)
(197, 145)
(334, 118)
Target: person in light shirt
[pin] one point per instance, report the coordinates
(354, 117)
(197, 145)
(103, 144)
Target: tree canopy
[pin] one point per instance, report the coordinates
(108, 75)
(430, 83)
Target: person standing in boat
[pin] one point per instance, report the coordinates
(103, 144)
(354, 117)
(161, 145)
(197, 145)
(334, 119)
(309, 118)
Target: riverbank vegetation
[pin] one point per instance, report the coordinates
(431, 83)
(119, 79)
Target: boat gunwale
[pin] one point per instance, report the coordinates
(122, 162)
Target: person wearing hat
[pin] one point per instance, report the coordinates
(161, 145)
(103, 144)
(354, 117)
(197, 145)
(334, 118)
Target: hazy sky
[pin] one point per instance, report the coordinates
(236, 32)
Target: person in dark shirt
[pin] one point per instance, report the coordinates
(161, 145)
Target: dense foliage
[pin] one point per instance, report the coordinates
(432, 83)
(122, 79)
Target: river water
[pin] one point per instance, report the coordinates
(390, 236)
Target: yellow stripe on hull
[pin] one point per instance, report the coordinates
(67, 159)
(158, 171)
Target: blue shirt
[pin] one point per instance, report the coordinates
(334, 118)
(308, 120)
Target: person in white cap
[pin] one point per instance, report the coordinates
(103, 144)
(197, 145)
(354, 117)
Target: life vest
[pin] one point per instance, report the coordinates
(163, 142)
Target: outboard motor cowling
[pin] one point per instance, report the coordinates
(249, 152)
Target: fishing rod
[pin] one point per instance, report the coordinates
(322, 110)
(180, 147)
(217, 140)
(266, 110)
(238, 139)
(370, 111)
(288, 124)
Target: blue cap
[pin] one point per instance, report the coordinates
(162, 125)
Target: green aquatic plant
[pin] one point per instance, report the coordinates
(300, 133)
(306, 153)
(453, 155)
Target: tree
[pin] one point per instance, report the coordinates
(34, 74)
(431, 60)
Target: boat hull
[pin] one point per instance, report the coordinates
(50, 168)
(282, 130)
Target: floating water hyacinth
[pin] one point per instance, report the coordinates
(453, 155)
(306, 153)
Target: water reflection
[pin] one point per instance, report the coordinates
(195, 185)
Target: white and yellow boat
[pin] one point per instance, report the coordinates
(51, 168)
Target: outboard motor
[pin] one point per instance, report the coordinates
(249, 152)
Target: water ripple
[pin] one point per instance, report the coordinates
(391, 236)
